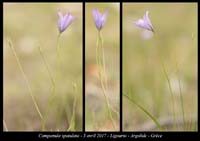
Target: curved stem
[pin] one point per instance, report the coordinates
(47, 66)
(73, 118)
(58, 57)
(108, 105)
(26, 79)
(145, 111)
(53, 85)
(101, 68)
(171, 92)
(103, 61)
(181, 95)
(170, 88)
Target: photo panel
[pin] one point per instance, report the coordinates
(42, 67)
(102, 46)
(160, 67)
(82, 68)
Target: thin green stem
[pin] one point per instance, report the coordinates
(73, 122)
(101, 65)
(170, 88)
(52, 82)
(171, 92)
(181, 95)
(5, 126)
(47, 66)
(58, 57)
(189, 123)
(103, 61)
(26, 79)
(108, 105)
(98, 58)
(145, 111)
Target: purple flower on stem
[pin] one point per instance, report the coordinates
(145, 23)
(64, 21)
(99, 19)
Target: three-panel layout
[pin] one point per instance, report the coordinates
(100, 67)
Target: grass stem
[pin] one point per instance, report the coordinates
(145, 111)
(73, 118)
(52, 82)
(26, 79)
(181, 95)
(101, 68)
(171, 92)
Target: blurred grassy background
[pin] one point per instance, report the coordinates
(175, 40)
(26, 24)
(97, 118)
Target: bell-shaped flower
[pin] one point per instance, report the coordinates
(64, 21)
(145, 23)
(99, 19)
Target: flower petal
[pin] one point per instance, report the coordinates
(97, 18)
(96, 14)
(146, 17)
(60, 14)
(60, 21)
(64, 22)
(140, 23)
(147, 21)
(68, 20)
(104, 17)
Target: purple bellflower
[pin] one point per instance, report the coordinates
(64, 21)
(99, 19)
(145, 23)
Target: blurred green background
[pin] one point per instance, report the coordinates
(97, 118)
(175, 41)
(28, 24)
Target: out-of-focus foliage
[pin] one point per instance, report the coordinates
(28, 24)
(174, 42)
(97, 118)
